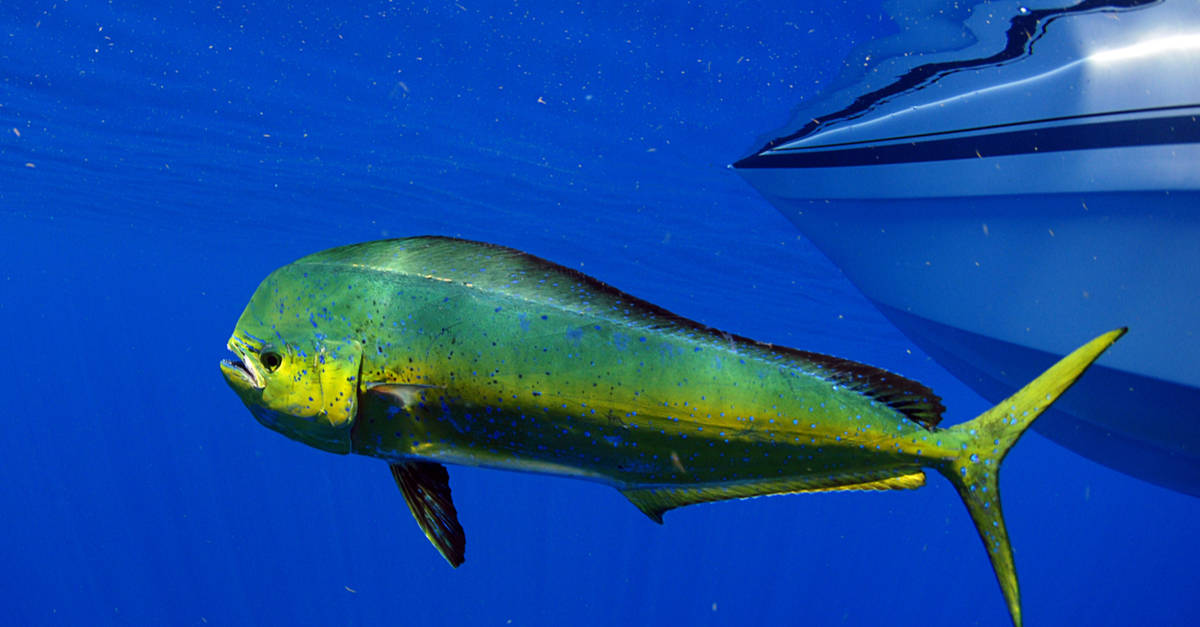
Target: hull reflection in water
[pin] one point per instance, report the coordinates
(1026, 179)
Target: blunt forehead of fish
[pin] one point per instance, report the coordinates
(285, 312)
(294, 290)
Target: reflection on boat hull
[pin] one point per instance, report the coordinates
(1160, 445)
(996, 287)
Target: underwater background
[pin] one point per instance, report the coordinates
(157, 160)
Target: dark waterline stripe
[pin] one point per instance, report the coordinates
(992, 127)
(1150, 132)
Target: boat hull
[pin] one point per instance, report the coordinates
(1027, 177)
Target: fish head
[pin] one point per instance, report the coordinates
(294, 380)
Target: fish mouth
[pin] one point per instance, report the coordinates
(241, 369)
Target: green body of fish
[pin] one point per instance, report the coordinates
(431, 350)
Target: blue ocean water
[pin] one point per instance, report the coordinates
(159, 161)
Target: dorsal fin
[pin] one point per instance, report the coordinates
(493, 267)
(906, 396)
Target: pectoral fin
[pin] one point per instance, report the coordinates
(426, 488)
(402, 394)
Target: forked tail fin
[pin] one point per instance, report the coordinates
(988, 438)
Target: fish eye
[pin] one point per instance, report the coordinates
(271, 360)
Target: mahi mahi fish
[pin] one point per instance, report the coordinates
(431, 350)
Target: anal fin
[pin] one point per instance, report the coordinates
(426, 489)
(656, 500)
